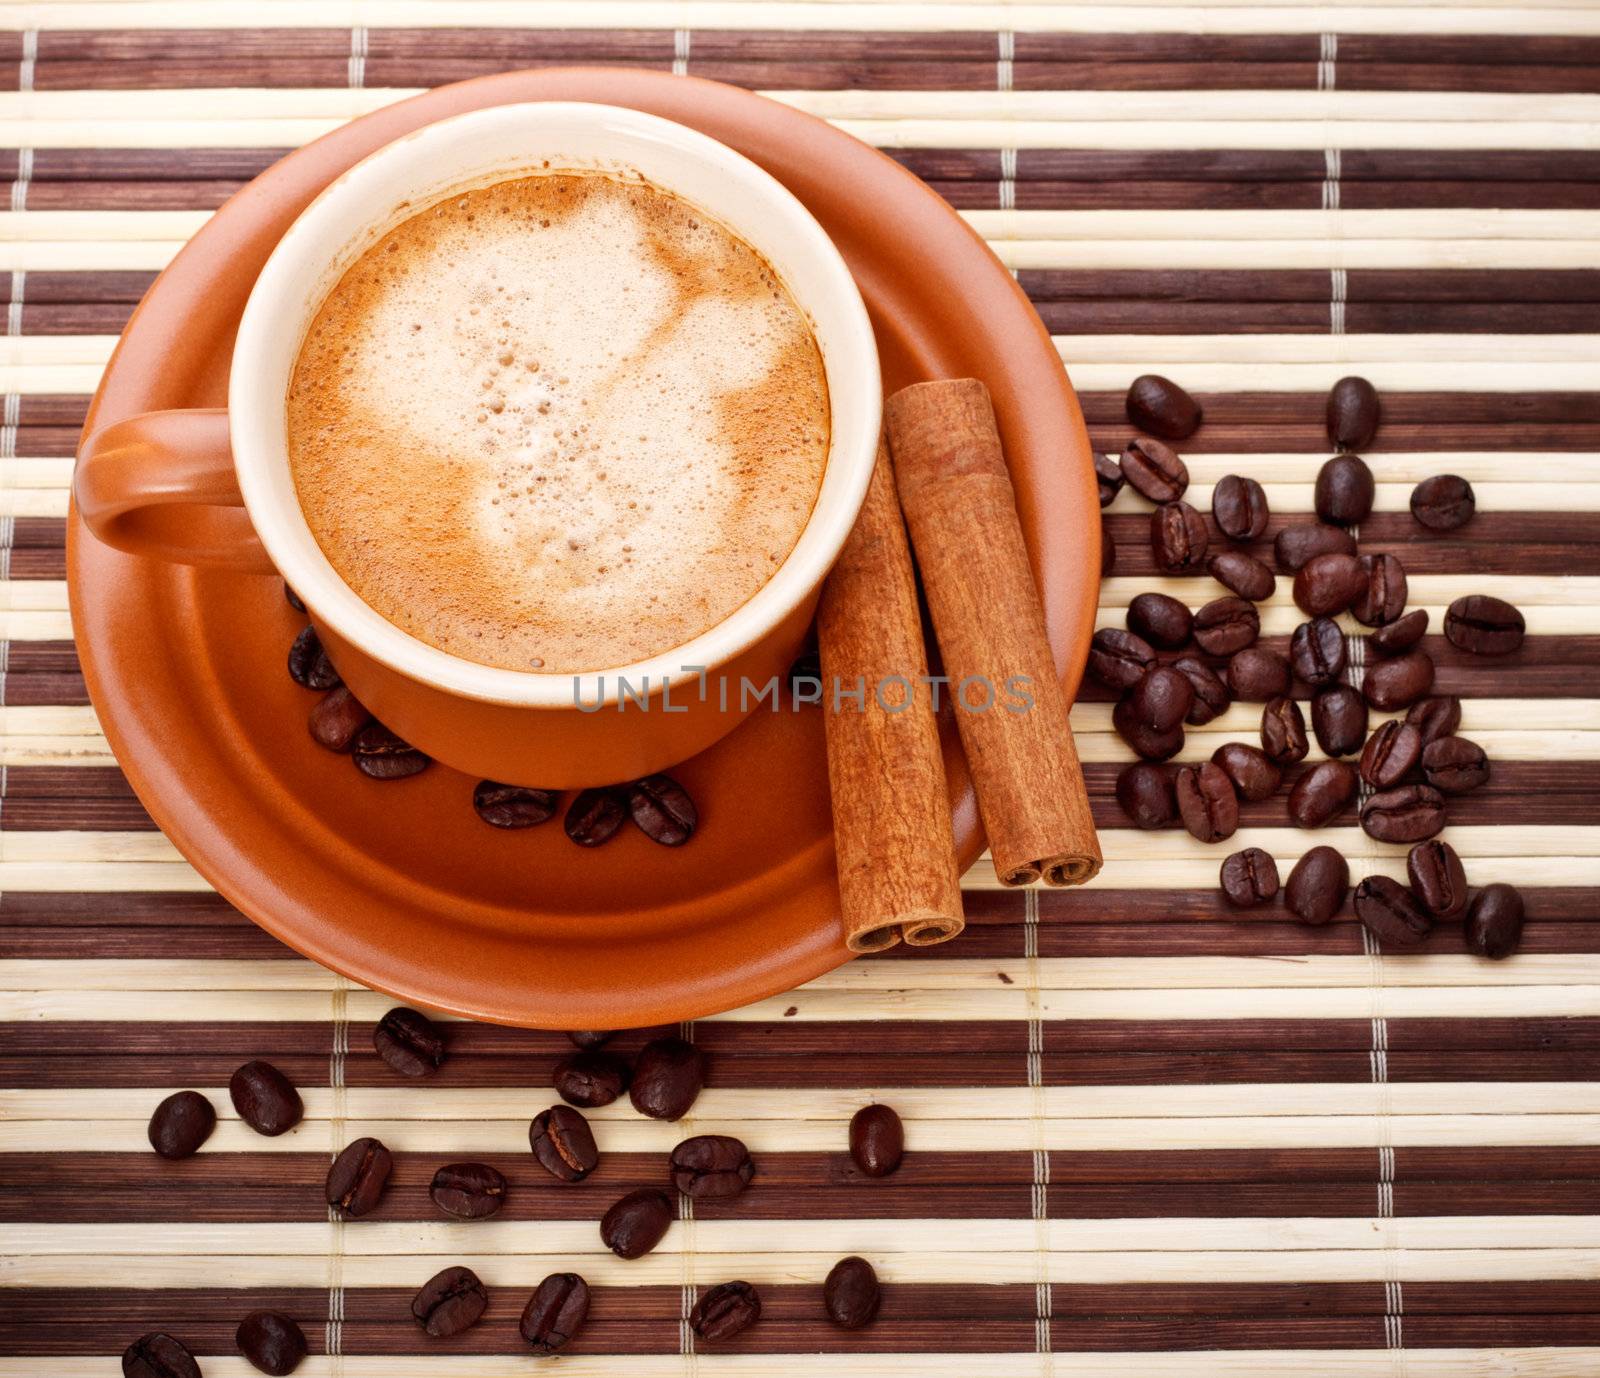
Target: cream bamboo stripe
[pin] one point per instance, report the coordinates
(1530, 492)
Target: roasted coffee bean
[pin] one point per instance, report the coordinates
(1178, 538)
(1344, 490)
(851, 1294)
(667, 1077)
(468, 1191)
(1391, 912)
(1391, 754)
(157, 1355)
(514, 806)
(1108, 549)
(1295, 546)
(1207, 802)
(1338, 719)
(265, 1099)
(1154, 469)
(1435, 717)
(589, 1038)
(271, 1342)
(357, 1178)
(381, 755)
(1437, 878)
(293, 599)
(1160, 619)
(555, 1312)
(1255, 777)
(1256, 674)
(877, 1140)
(663, 810)
(1226, 625)
(724, 1310)
(1352, 413)
(1409, 813)
(1161, 699)
(1249, 878)
(1443, 502)
(636, 1223)
(1244, 574)
(409, 1042)
(1210, 693)
(450, 1302)
(1160, 406)
(1151, 743)
(309, 666)
(1328, 584)
(710, 1165)
(1146, 795)
(1322, 794)
(1454, 765)
(563, 1143)
(1384, 598)
(1401, 634)
(1239, 508)
(1317, 886)
(181, 1123)
(1397, 683)
(1283, 731)
(595, 815)
(1316, 651)
(1118, 659)
(1494, 922)
(1108, 476)
(590, 1079)
(1484, 626)
(337, 719)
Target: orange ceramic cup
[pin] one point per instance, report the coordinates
(214, 487)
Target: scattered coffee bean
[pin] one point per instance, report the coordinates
(1494, 922)
(449, 1302)
(181, 1123)
(1249, 878)
(555, 1312)
(1210, 693)
(1108, 551)
(1118, 659)
(1437, 878)
(1328, 584)
(271, 1342)
(563, 1143)
(1401, 634)
(1397, 683)
(1154, 469)
(158, 1355)
(337, 719)
(1435, 717)
(1254, 776)
(409, 1042)
(1444, 502)
(851, 1294)
(595, 815)
(1160, 619)
(1352, 413)
(1207, 802)
(1484, 626)
(1391, 912)
(591, 1079)
(1454, 765)
(1344, 490)
(1317, 886)
(1239, 508)
(1317, 651)
(293, 599)
(1146, 795)
(1244, 574)
(663, 810)
(1295, 546)
(877, 1140)
(1256, 674)
(1160, 406)
(724, 1310)
(468, 1191)
(1338, 719)
(667, 1077)
(1321, 794)
(1178, 538)
(1391, 754)
(381, 755)
(1151, 743)
(1283, 731)
(264, 1099)
(1226, 625)
(1409, 813)
(1384, 598)
(710, 1165)
(590, 1038)
(357, 1178)
(514, 806)
(309, 666)
(636, 1223)
(1108, 476)
(1161, 699)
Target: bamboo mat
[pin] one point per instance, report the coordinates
(1147, 1136)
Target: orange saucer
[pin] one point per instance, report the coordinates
(398, 884)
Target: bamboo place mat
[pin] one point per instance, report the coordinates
(1147, 1136)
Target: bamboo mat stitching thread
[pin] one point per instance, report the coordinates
(1040, 1192)
(688, 1289)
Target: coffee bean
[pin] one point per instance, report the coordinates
(1338, 719)
(1435, 717)
(1494, 922)
(563, 1143)
(1352, 413)
(271, 1342)
(1210, 693)
(1244, 574)
(514, 806)
(449, 1302)
(589, 1038)
(1484, 626)
(264, 1099)
(1328, 584)
(667, 1076)
(710, 1165)
(181, 1123)
(1409, 813)
(1161, 699)
(337, 719)
(409, 1042)
(293, 599)
(381, 755)
(555, 1312)
(1153, 744)
(1317, 886)
(1108, 476)
(724, 1310)
(1249, 878)
(1119, 659)
(1154, 469)
(850, 1293)
(595, 815)
(590, 1079)
(1283, 731)
(1256, 675)
(357, 1178)
(1239, 508)
(1146, 795)
(1254, 776)
(468, 1191)
(309, 666)
(1226, 625)
(1384, 598)
(1391, 912)
(1160, 406)
(1344, 490)
(1297, 545)
(1322, 794)
(1317, 652)
(1443, 502)
(1401, 634)
(1391, 754)
(663, 810)
(1177, 538)
(1108, 549)
(1207, 802)
(636, 1223)
(1437, 878)
(1454, 765)
(877, 1140)
(158, 1355)
(1396, 683)
(1160, 619)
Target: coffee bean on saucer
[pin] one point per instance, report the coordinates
(668, 1075)
(264, 1099)
(1255, 777)
(1391, 754)
(1249, 878)
(1484, 626)
(468, 1191)
(1317, 651)
(1344, 490)
(409, 1042)
(850, 1293)
(1297, 545)
(1435, 717)
(1322, 794)
(1244, 574)
(1409, 813)
(1207, 802)
(1226, 625)
(1154, 469)
(1109, 478)
(1443, 502)
(1211, 696)
(309, 665)
(158, 1355)
(563, 1143)
(662, 809)
(1178, 538)
(381, 755)
(1328, 584)
(1401, 634)
(1352, 413)
(1160, 406)
(1338, 719)
(1384, 598)
(877, 1140)
(271, 1342)
(357, 1178)
(1239, 508)
(1118, 659)
(595, 815)
(1317, 886)
(293, 599)
(710, 1165)
(590, 1038)
(636, 1223)
(181, 1123)
(1256, 674)
(1391, 912)
(336, 718)
(1437, 878)
(1151, 743)
(1494, 921)
(449, 1302)
(555, 1312)
(1283, 731)
(1160, 619)
(1146, 795)
(591, 1079)
(514, 806)
(1454, 765)
(1400, 682)
(1108, 549)
(724, 1310)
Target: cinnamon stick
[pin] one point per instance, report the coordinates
(891, 811)
(959, 504)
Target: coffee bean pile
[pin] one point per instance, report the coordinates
(1408, 768)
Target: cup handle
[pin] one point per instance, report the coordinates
(163, 484)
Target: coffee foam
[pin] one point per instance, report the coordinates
(561, 423)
